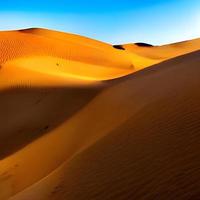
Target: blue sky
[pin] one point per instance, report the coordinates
(113, 21)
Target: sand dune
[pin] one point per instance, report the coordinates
(57, 61)
(166, 51)
(72, 129)
(144, 55)
(152, 154)
(67, 37)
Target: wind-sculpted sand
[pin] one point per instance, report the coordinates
(81, 119)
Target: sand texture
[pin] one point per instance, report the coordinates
(84, 120)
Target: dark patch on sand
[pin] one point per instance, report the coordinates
(120, 47)
(141, 44)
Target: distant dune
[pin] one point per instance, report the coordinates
(82, 119)
(164, 52)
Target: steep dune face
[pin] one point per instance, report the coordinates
(151, 153)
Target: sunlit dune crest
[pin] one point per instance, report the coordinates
(166, 51)
(63, 56)
(83, 119)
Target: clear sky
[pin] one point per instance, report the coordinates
(113, 21)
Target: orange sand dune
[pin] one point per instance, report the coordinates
(141, 57)
(152, 152)
(43, 113)
(38, 60)
(144, 55)
(60, 96)
(166, 51)
(67, 37)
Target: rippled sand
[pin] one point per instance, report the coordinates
(81, 119)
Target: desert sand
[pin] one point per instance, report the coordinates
(81, 119)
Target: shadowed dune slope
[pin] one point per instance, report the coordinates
(26, 112)
(151, 148)
(39, 132)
